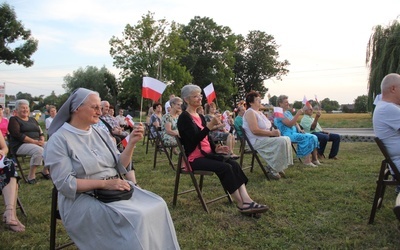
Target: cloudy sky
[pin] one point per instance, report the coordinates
(324, 41)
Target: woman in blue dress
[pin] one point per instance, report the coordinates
(307, 144)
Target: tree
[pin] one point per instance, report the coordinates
(100, 80)
(297, 105)
(383, 57)
(210, 58)
(329, 105)
(256, 61)
(361, 104)
(12, 32)
(273, 100)
(153, 48)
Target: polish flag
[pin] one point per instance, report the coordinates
(125, 141)
(210, 93)
(129, 120)
(152, 88)
(306, 102)
(278, 112)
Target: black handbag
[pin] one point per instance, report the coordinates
(107, 196)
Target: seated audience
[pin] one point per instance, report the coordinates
(155, 119)
(3, 123)
(82, 159)
(275, 149)
(307, 144)
(239, 120)
(9, 189)
(169, 121)
(219, 134)
(311, 125)
(52, 113)
(121, 120)
(194, 133)
(167, 105)
(107, 119)
(386, 118)
(149, 113)
(27, 138)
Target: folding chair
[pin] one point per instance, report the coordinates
(160, 147)
(387, 166)
(185, 168)
(295, 151)
(150, 138)
(55, 214)
(253, 152)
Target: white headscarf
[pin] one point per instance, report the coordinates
(64, 113)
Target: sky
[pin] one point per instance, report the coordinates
(325, 42)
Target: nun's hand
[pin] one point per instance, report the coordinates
(137, 133)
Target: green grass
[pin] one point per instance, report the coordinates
(313, 208)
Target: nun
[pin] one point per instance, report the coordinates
(81, 159)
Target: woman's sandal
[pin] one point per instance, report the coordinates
(6, 219)
(33, 181)
(17, 228)
(46, 176)
(253, 208)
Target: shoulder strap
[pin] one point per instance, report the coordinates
(112, 153)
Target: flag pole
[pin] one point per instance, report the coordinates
(141, 107)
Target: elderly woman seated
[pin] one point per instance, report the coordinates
(307, 144)
(273, 148)
(27, 138)
(83, 159)
(194, 132)
(219, 134)
(9, 189)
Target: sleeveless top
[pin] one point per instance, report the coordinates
(262, 122)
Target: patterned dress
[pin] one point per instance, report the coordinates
(169, 140)
(306, 143)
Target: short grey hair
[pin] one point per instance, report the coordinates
(20, 102)
(189, 89)
(175, 100)
(281, 98)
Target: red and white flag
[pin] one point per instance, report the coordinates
(306, 102)
(210, 93)
(125, 141)
(278, 112)
(129, 120)
(152, 88)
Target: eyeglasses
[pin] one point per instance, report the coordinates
(197, 96)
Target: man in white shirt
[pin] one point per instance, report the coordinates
(386, 118)
(167, 105)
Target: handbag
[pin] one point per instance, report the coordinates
(107, 196)
(217, 157)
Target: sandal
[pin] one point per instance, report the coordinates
(17, 228)
(7, 219)
(46, 176)
(33, 181)
(253, 208)
(234, 157)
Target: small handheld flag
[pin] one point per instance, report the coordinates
(278, 112)
(210, 93)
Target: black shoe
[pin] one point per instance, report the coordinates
(33, 181)
(46, 176)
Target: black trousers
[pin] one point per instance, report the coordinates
(229, 173)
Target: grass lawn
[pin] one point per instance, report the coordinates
(313, 208)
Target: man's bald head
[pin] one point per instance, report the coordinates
(390, 88)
